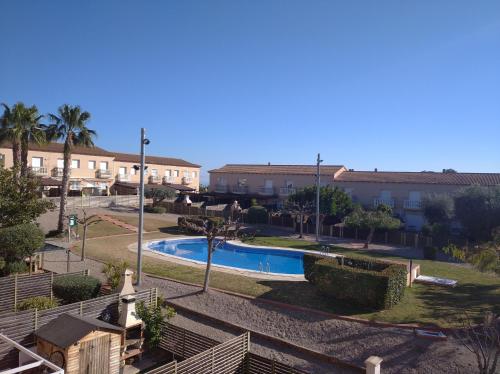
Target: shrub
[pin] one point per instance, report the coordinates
(37, 302)
(20, 241)
(455, 252)
(365, 282)
(430, 253)
(257, 214)
(153, 317)
(16, 267)
(74, 288)
(114, 271)
(486, 260)
(155, 209)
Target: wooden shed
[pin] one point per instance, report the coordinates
(81, 345)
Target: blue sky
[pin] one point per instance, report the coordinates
(397, 85)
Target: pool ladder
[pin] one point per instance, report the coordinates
(268, 267)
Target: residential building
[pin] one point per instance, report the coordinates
(403, 191)
(96, 170)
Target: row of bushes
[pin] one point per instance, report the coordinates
(365, 282)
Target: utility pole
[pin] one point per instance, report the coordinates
(318, 180)
(144, 142)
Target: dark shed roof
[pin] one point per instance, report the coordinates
(67, 329)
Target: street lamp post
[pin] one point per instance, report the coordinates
(144, 142)
(318, 177)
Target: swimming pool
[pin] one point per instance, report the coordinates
(232, 255)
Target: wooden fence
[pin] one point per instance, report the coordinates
(205, 355)
(16, 288)
(19, 326)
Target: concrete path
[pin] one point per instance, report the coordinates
(119, 223)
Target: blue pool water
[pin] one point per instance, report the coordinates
(236, 256)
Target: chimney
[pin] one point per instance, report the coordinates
(125, 286)
(128, 316)
(268, 164)
(376, 170)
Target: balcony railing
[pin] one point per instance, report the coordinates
(103, 174)
(58, 172)
(413, 204)
(123, 177)
(378, 201)
(287, 190)
(168, 179)
(187, 180)
(266, 190)
(154, 179)
(38, 170)
(239, 189)
(221, 188)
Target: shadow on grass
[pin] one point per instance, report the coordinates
(305, 295)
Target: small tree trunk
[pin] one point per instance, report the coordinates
(209, 264)
(301, 225)
(83, 241)
(369, 238)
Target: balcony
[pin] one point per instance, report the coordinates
(377, 201)
(285, 191)
(154, 179)
(221, 188)
(103, 174)
(123, 177)
(413, 204)
(239, 189)
(58, 172)
(263, 190)
(38, 170)
(169, 179)
(187, 180)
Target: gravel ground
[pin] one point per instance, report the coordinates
(348, 341)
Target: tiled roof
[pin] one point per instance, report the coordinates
(129, 157)
(277, 169)
(59, 148)
(464, 179)
(50, 182)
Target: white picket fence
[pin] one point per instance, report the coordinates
(98, 201)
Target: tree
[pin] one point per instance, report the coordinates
(478, 210)
(11, 130)
(211, 227)
(379, 219)
(301, 205)
(449, 171)
(20, 241)
(69, 125)
(158, 194)
(86, 222)
(438, 208)
(32, 132)
(482, 340)
(19, 200)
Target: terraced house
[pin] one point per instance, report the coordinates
(403, 191)
(96, 170)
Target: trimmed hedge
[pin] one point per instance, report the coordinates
(365, 282)
(257, 214)
(155, 209)
(74, 288)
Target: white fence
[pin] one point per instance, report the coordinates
(98, 201)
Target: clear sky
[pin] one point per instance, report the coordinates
(397, 85)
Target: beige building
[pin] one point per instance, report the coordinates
(403, 191)
(95, 169)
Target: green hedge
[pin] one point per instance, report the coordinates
(155, 209)
(257, 214)
(37, 302)
(366, 282)
(74, 288)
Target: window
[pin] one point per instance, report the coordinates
(176, 173)
(242, 182)
(91, 165)
(2, 160)
(60, 163)
(186, 173)
(36, 162)
(103, 185)
(132, 171)
(221, 181)
(122, 170)
(75, 164)
(74, 185)
(194, 174)
(154, 172)
(103, 165)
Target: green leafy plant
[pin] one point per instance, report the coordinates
(113, 272)
(155, 209)
(430, 253)
(153, 317)
(37, 302)
(74, 288)
(257, 214)
(16, 267)
(455, 252)
(20, 241)
(366, 282)
(486, 260)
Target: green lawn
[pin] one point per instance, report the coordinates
(475, 293)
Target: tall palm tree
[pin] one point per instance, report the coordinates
(21, 125)
(70, 125)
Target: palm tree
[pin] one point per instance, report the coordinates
(21, 125)
(69, 125)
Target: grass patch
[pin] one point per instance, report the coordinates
(476, 292)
